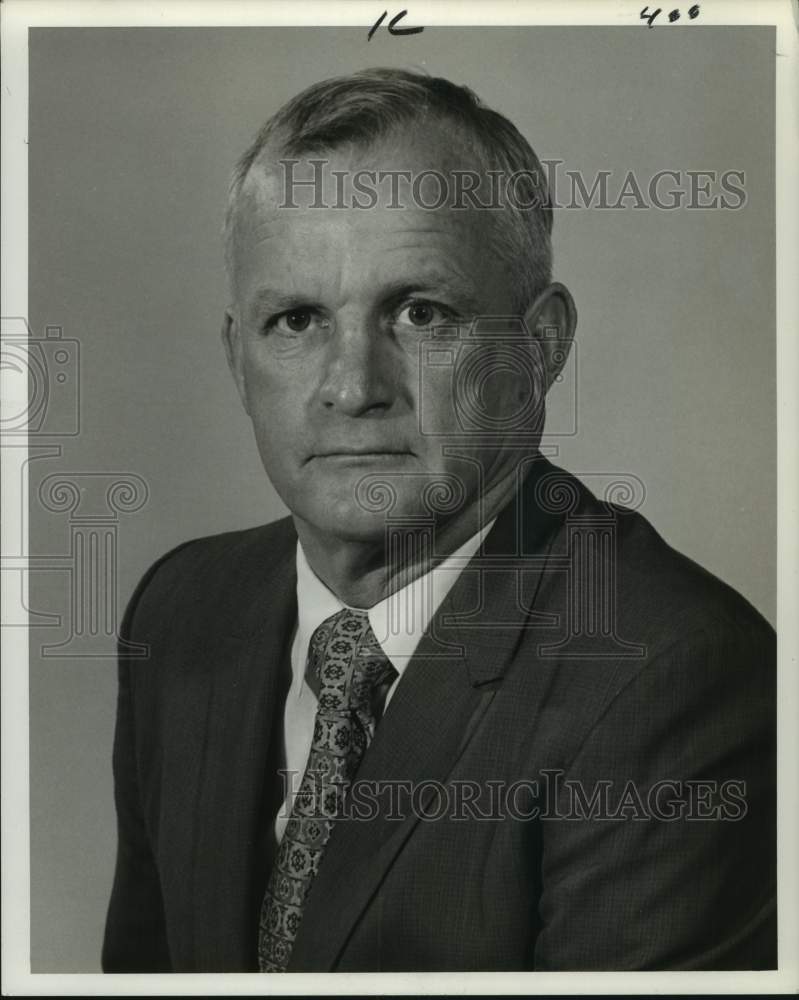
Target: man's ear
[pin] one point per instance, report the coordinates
(234, 352)
(552, 319)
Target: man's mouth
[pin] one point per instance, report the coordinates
(364, 454)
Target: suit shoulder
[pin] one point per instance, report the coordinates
(647, 593)
(639, 626)
(651, 580)
(655, 581)
(227, 550)
(204, 568)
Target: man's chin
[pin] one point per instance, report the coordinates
(344, 524)
(369, 518)
(361, 503)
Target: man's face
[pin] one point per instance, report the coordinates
(325, 340)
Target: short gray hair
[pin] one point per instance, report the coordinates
(370, 104)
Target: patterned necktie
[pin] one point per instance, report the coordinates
(347, 663)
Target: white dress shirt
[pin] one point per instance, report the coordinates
(398, 622)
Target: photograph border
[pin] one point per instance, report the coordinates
(20, 15)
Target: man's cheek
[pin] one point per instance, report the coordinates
(435, 404)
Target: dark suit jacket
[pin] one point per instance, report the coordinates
(580, 656)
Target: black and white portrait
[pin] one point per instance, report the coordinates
(394, 496)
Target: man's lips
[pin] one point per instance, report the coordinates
(372, 452)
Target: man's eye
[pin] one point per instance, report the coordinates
(295, 321)
(422, 314)
(298, 320)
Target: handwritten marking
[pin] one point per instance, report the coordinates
(377, 24)
(392, 25)
(674, 15)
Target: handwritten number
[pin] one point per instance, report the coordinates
(674, 15)
(377, 24)
(646, 16)
(401, 31)
(392, 25)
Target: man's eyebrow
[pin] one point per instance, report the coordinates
(272, 300)
(459, 293)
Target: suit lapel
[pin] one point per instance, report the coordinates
(240, 685)
(431, 719)
(419, 739)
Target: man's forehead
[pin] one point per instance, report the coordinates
(323, 197)
(398, 166)
(295, 224)
(260, 220)
(310, 247)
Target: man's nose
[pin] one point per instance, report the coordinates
(358, 376)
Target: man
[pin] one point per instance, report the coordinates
(517, 730)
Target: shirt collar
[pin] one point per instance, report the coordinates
(398, 621)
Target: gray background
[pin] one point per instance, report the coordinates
(132, 135)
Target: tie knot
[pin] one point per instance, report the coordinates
(346, 664)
